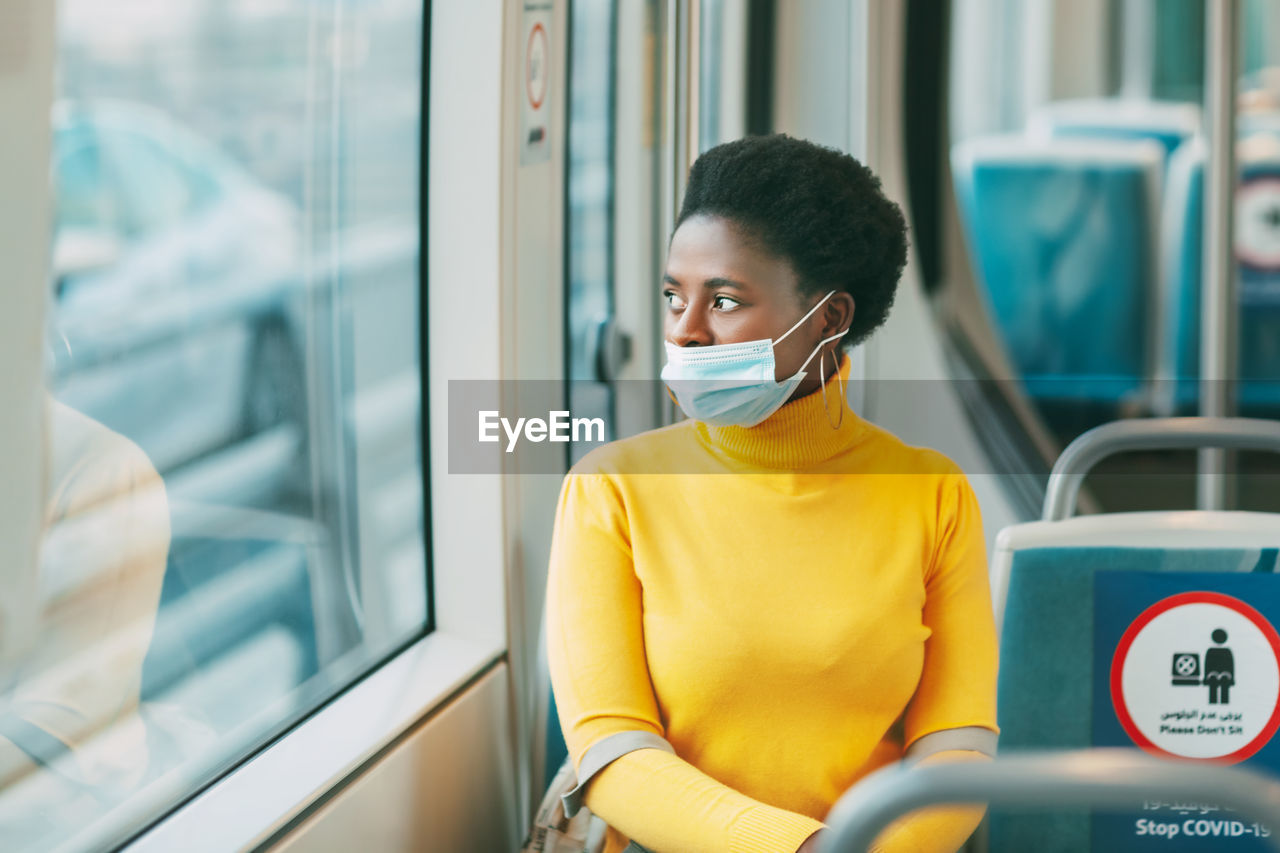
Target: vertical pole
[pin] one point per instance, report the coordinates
(680, 127)
(1138, 52)
(1219, 306)
(668, 161)
(693, 85)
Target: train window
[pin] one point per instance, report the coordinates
(596, 347)
(82, 187)
(1178, 50)
(235, 504)
(161, 194)
(1078, 148)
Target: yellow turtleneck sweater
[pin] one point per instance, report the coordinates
(789, 605)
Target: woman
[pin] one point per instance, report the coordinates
(737, 650)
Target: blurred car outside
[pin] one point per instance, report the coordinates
(176, 279)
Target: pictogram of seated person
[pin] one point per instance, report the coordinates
(1219, 670)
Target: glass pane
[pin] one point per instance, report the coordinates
(1078, 172)
(595, 347)
(235, 496)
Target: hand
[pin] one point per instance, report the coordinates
(811, 843)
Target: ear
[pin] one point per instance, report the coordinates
(837, 315)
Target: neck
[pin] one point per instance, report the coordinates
(802, 433)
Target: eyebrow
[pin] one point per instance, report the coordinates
(710, 283)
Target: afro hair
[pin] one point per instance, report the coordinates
(821, 210)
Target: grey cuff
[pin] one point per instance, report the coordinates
(973, 738)
(601, 754)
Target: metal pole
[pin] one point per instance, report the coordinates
(1219, 306)
(693, 86)
(1138, 39)
(680, 128)
(669, 160)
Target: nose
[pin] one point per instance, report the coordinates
(689, 328)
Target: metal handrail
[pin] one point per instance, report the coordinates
(1148, 434)
(1114, 779)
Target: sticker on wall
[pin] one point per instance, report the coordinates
(1258, 224)
(1197, 675)
(536, 107)
(1186, 665)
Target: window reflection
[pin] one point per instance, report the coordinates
(71, 737)
(594, 345)
(1080, 193)
(235, 521)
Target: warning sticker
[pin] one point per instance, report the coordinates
(1258, 224)
(1186, 665)
(1197, 675)
(536, 104)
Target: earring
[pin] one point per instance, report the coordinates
(822, 378)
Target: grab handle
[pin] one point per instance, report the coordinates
(1148, 434)
(1115, 779)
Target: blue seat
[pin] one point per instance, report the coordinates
(555, 750)
(1257, 248)
(1062, 233)
(1071, 596)
(1043, 576)
(549, 748)
(1169, 123)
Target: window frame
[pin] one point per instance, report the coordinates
(270, 793)
(274, 788)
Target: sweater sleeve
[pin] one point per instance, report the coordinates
(958, 684)
(599, 671)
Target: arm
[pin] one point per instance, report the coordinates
(936, 829)
(952, 715)
(595, 643)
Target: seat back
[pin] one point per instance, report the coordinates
(1169, 123)
(1062, 233)
(1257, 246)
(555, 751)
(1043, 585)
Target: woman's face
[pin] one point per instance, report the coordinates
(720, 288)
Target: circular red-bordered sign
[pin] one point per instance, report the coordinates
(1145, 618)
(1258, 224)
(537, 38)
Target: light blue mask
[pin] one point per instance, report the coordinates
(733, 384)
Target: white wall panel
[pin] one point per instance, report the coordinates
(443, 789)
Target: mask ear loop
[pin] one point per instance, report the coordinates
(800, 322)
(822, 368)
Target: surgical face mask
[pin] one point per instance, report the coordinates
(733, 384)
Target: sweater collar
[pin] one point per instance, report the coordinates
(798, 435)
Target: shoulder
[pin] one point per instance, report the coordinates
(91, 465)
(107, 511)
(889, 454)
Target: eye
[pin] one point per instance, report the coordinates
(725, 303)
(674, 301)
